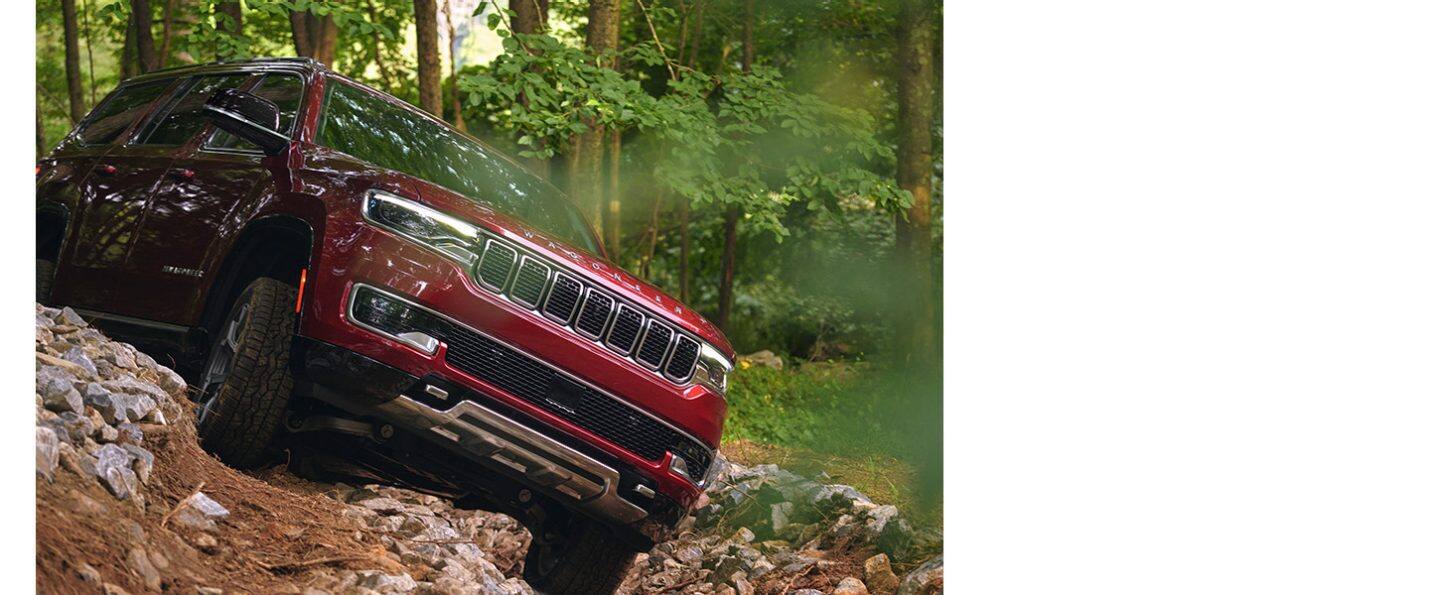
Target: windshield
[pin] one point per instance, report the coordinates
(366, 126)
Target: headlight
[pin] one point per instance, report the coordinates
(712, 368)
(426, 226)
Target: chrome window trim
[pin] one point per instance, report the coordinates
(558, 370)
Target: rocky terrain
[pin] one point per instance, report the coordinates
(126, 502)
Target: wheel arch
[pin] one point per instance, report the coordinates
(277, 246)
(51, 221)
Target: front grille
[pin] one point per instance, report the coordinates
(682, 361)
(594, 315)
(564, 296)
(652, 349)
(536, 382)
(530, 283)
(625, 330)
(495, 265)
(522, 277)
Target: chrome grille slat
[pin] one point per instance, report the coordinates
(655, 345)
(682, 359)
(564, 298)
(495, 265)
(625, 330)
(594, 314)
(529, 282)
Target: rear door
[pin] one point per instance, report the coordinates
(207, 194)
(110, 185)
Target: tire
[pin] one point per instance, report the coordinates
(246, 380)
(589, 561)
(44, 278)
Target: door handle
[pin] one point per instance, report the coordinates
(184, 174)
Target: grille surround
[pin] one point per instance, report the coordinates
(530, 379)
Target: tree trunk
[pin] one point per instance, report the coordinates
(72, 62)
(39, 133)
(427, 41)
(732, 214)
(531, 16)
(236, 23)
(385, 72)
(694, 54)
(128, 67)
(612, 211)
(457, 112)
(914, 163)
(167, 18)
(89, 52)
(685, 250)
(602, 35)
(315, 36)
(144, 34)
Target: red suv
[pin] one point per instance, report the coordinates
(342, 274)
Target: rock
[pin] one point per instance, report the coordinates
(88, 574)
(107, 433)
(47, 452)
(70, 317)
(201, 512)
(58, 389)
(143, 463)
(113, 589)
(762, 359)
(383, 505)
(807, 592)
(113, 468)
(780, 515)
(209, 591)
(130, 432)
(110, 405)
(879, 577)
(139, 562)
(205, 542)
(926, 578)
(386, 583)
(850, 586)
(742, 586)
(743, 535)
(77, 356)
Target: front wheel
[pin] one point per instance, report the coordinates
(246, 382)
(586, 560)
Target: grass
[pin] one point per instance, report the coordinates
(846, 419)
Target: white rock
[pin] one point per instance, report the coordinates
(47, 452)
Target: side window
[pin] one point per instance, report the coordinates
(117, 113)
(183, 119)
(283, 89)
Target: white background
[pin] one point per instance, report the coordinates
(1193, 299)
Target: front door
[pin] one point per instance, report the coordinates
(206, 194)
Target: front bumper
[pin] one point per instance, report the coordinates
(405, 270)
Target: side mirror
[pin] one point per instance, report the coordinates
(249, 117)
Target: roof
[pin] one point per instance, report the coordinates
(295, 64)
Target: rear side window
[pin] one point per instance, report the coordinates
(283, 89)
(118, 112)
(183, 119)
(390, 136)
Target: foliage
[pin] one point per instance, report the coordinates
(737, 139)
